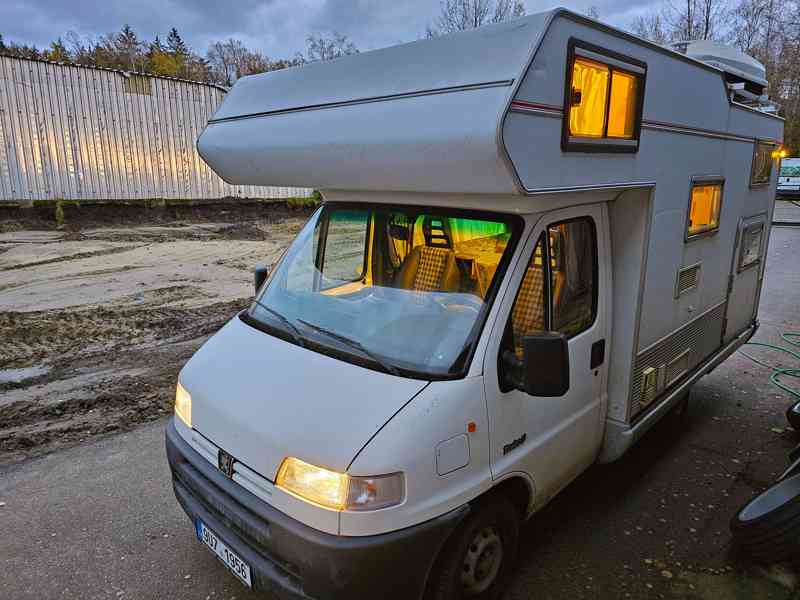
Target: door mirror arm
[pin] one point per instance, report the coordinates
(544, 368)
(513, 369)
(260, 275)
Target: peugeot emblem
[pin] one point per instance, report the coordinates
(225, 463)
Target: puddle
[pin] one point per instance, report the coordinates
(17, 375)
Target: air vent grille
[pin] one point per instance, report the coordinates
(678, 367)
(688, 278)
(669, 359)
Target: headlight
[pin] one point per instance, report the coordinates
(183, 405)
(339, 490)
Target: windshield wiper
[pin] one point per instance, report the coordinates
(353, 344)
(293, 330)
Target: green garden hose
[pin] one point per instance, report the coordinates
(777, 372)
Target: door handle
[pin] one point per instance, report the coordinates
(598, 354)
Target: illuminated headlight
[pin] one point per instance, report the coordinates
(339, 491)
(183, 405)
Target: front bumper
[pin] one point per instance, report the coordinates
(787, 194)
(290, 559)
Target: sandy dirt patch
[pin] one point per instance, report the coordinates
(95, 323)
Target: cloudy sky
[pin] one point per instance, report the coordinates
(276, 27)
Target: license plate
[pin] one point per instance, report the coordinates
(235, 564)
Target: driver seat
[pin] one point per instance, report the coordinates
(429, 269)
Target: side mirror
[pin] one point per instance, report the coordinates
(260, 275)
(544, 368)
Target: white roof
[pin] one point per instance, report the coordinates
(489, 54)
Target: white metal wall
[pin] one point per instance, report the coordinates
(81, 133)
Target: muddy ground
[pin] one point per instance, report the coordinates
(97, 316)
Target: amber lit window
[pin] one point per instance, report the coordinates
(704, 208)
(587, 113)
(622, 106)
(603, 102)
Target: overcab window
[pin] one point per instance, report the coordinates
(603, 100)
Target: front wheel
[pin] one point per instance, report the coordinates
(477, 560)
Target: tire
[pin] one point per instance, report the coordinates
(793, 416)
(767, 528)
(468, 567)
(680, 411)
(678, 415)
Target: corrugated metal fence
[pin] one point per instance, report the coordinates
(72, 132)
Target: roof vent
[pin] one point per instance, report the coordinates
(745, 76)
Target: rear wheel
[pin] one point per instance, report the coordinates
(476, 561)
(767, 528)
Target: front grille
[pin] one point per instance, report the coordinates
(244, 476)
(251, 528)
(676, 355)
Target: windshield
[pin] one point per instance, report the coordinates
(399, 289)
(790, 170)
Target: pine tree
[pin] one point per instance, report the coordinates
(175, 43)
(128, 47)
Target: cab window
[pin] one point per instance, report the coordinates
(344, 258)
(559, 289)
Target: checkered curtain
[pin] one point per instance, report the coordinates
(527, 316)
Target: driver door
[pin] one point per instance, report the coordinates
(561, 284)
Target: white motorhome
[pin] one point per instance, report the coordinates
(535, 238)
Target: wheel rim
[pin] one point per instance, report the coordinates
(779, 494)
(482, 561)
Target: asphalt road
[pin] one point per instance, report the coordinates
(100, 520)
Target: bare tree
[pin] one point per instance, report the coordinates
(230, 60)
(694, 19)
(320, 47)
(651, 27)
(593, 12)
(460, 15)
(749, 15)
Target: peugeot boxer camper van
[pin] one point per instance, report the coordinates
(535, 238)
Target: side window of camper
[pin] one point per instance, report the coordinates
(603, 100)
(761, 170)
(559, 289)
(705, 203)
